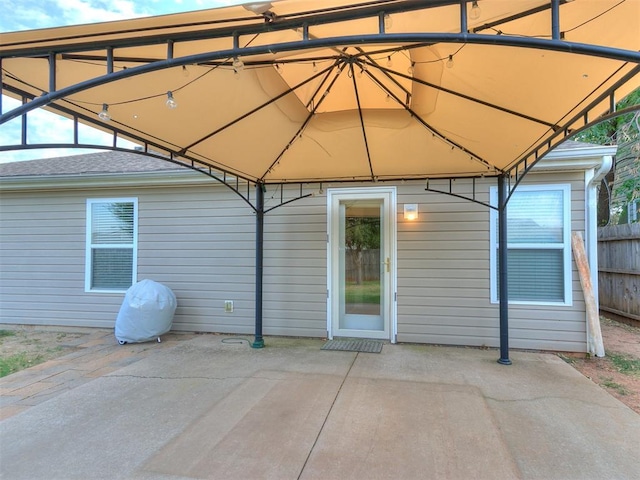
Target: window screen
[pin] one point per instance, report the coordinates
(111, 252)
(538, 245)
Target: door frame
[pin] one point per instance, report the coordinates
(390, 310)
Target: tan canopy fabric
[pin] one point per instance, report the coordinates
(337, 90)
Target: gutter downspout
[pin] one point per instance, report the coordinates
(592, 180)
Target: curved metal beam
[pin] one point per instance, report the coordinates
(562, 135)
(228, 28)
(498, 40)
(205, 171)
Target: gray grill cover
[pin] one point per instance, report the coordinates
(146, 312)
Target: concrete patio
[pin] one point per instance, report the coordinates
(197, 407)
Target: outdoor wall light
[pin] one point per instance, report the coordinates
(104, 114)
(410, 211)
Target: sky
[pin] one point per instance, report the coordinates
(34, 14)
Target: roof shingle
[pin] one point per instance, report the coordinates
(87, 164)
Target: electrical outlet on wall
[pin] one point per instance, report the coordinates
(228, 306)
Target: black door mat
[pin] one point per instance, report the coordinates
(358, 345)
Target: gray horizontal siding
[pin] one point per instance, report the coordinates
(295, 261)
(199, 240)
(443, 274)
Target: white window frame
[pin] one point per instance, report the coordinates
(566, 244)
(89, 246)
(632, 210)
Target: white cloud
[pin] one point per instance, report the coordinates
(31, 14)
(47, 127)
(25, 15)
(88, 11)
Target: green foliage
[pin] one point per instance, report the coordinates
(7, 333)
(366, 292)
(624, 180)
(609, 132)
(609, 383)
(362, 233)
(17, 362)
(625, 363)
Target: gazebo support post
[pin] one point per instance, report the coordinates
(502, 270)
(259, 341)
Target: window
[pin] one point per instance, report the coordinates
(111, 256)
(633, 211)
(539, 251)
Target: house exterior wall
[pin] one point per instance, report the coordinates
(199, 240)
(443, 275)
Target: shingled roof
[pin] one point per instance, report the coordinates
(104, 162)
(113, 162)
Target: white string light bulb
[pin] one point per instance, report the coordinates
(104, 114)
(449, 63)
(171, 103)
(238, 64)
(388, 21)
(474, 14)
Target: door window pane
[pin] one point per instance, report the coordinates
(362, 281)
(362, 259)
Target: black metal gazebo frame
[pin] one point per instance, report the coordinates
(252, 190)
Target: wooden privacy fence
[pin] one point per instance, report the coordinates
(364, 266)
(619, 270)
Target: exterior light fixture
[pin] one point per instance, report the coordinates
(104, 114)
(389, 62)
(474, 14)
(410, 211)
(171, 103)
(185, 72)
(411, 69)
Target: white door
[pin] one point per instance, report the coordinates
(361, 265)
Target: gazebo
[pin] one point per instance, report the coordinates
(300, 92)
